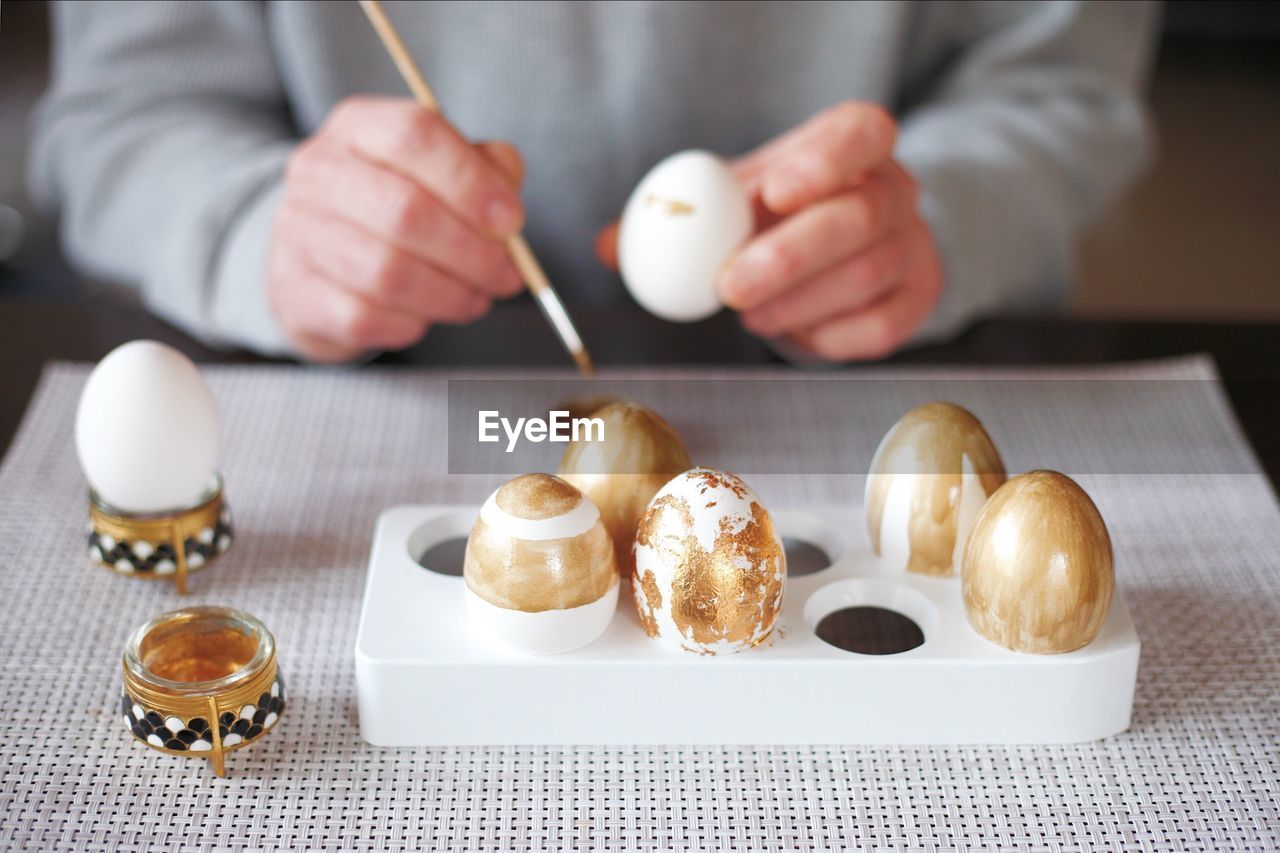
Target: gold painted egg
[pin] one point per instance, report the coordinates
(584, 407)
(621, 474)
(710, 570)
(539, 567)
(929, 478)
(1037, 573)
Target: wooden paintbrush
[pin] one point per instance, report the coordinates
(535, 279)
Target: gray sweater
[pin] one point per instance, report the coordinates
(168, 123)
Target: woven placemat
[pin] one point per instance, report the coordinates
(311, 458)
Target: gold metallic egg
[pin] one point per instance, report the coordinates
(583, 407)
(538, 545)
(621, 474)
(1037, 574)
(539, 568)
(930, 476)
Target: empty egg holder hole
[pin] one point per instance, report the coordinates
(439, 544)
(863, 599)
(812, 545)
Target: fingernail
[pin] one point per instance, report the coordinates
(503, 217)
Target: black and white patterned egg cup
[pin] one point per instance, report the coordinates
(200, 718)
(161, 546)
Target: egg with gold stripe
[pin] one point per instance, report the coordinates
(539, 568)
(710, 570)
(930, 476)
(1038, 574)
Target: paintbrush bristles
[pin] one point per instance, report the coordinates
(521, 255)
(583, 359)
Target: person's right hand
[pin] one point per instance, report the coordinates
(390, 222)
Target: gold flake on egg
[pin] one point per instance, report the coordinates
(710, 567)
(670, 206)
(930, 474)
(1038, 574)
(621, 474)
(648, 602)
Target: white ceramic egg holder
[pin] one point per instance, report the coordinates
(423, 678)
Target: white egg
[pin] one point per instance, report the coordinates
(147, 430)
(710, 569)
(683, 221)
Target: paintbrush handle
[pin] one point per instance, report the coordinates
(521, 255)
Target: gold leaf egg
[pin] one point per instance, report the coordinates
(1037, 574)
(930, 476)
(710, 567)
(621, 474)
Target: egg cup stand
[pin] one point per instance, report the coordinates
(424, 679)
(164, 546)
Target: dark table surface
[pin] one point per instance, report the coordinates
(1248, 355)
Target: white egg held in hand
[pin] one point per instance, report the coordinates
(686, 218)
(147, 430)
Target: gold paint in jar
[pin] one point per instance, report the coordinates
(200, 682)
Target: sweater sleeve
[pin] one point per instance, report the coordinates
(1031, 129)
(163, 140)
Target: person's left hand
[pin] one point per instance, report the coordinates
(841, 263)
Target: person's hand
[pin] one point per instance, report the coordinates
(841, 262)
(390, 222)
